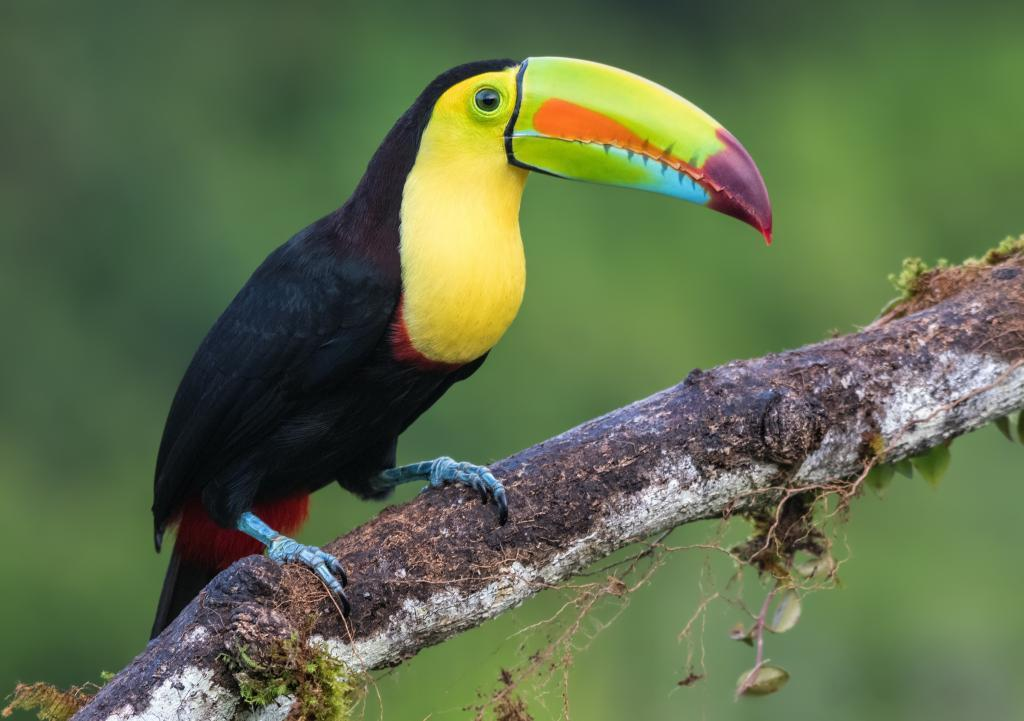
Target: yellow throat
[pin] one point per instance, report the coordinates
(463, 268)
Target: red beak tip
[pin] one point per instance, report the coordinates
(767, 233)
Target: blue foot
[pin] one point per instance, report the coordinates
(442, 471)
(287, 550)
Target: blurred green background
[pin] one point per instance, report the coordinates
(153, 155)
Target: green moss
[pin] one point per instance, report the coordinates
(876, 444)
(323, 687)
(1007, 247)
(907, 281)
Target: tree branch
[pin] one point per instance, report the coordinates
(712, 445)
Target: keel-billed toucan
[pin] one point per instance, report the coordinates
(354, 327)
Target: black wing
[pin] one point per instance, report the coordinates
(305, 318)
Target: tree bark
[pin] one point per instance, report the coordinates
(944, 363)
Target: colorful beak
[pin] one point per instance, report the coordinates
(586, 121)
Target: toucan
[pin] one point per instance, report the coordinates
(359, 323)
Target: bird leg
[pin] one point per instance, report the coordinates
(282, 549)
(444, 470)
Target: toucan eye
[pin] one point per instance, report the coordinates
(487, 99)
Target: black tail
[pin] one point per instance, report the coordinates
(184, 580)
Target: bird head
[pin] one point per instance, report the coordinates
(587, 121)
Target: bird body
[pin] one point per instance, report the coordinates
(352, 329)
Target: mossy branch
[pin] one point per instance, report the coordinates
(946, 360)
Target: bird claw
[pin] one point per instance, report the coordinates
(445, 470)
(327, 568)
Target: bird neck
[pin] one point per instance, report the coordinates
(463, 266)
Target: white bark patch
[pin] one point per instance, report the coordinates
(189, 693)
(192, 694)
(962, 392)
(196, 635)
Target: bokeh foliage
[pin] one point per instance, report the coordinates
(153, 154)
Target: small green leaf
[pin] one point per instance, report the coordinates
(933, 464)
(904, 467)
(1003, 424)
(768, 679)
(821, 567)
(880, 476)
(787, 613)
(1020, 426)
(740, 633)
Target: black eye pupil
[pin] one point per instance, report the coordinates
(487, 99)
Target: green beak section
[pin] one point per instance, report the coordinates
(586, 121)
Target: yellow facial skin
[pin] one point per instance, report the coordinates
(463, 268)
